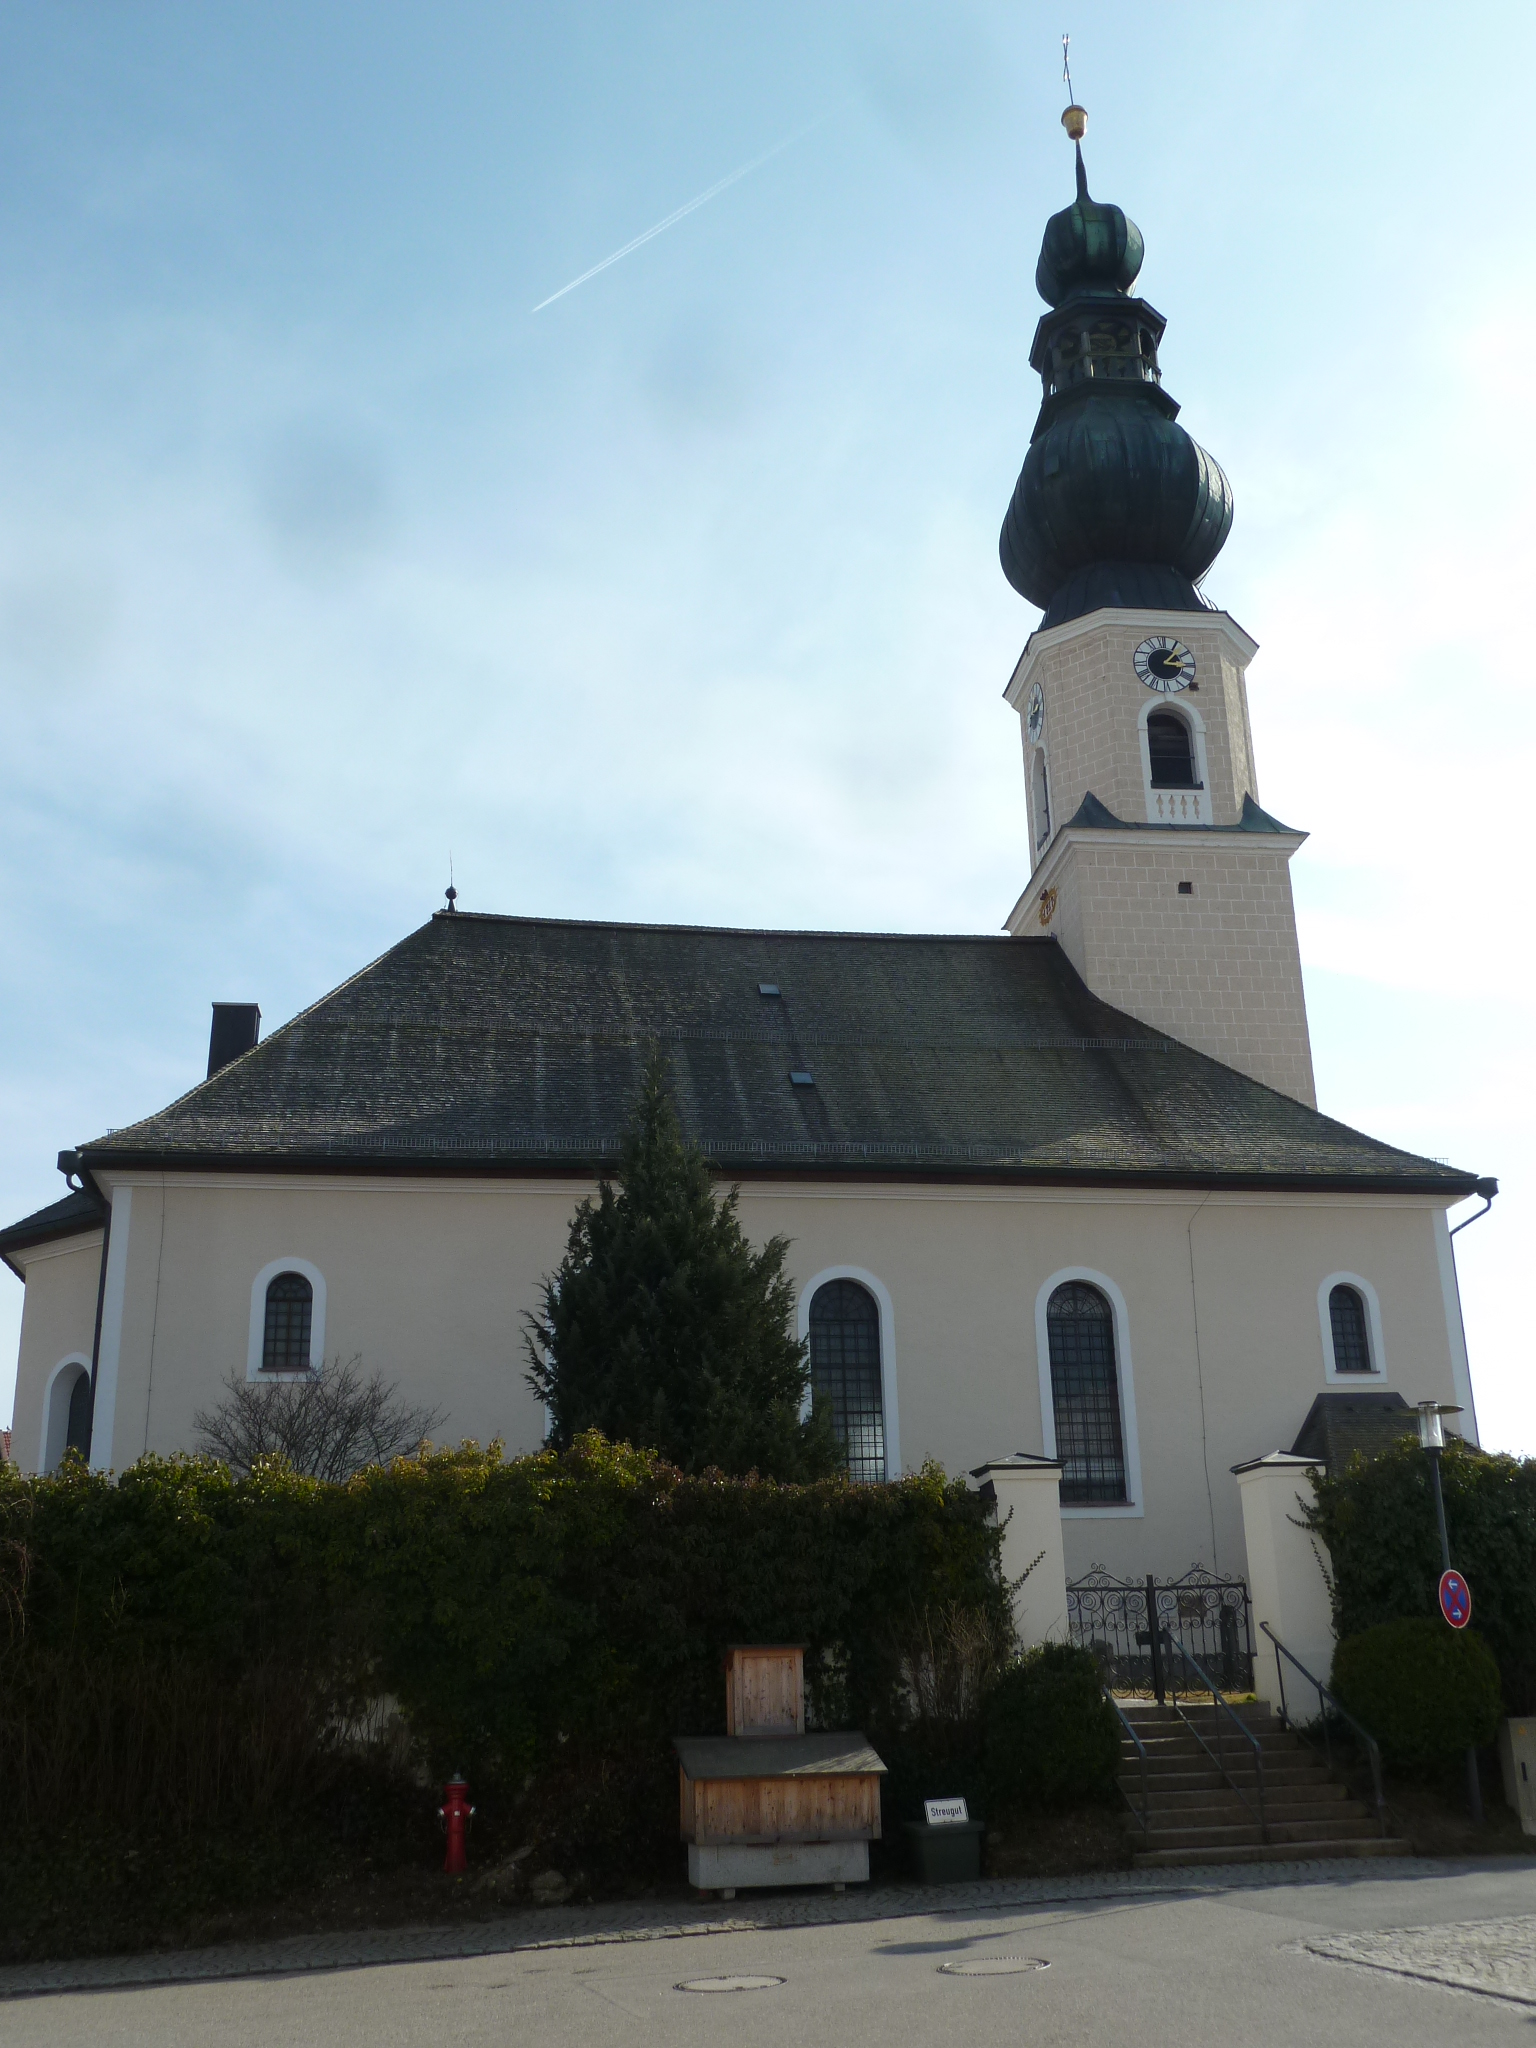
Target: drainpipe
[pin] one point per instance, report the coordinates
(76, 1175)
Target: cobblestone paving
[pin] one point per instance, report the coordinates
(1495, 1957)
(664, 1920)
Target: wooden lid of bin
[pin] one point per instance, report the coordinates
(846, 1755)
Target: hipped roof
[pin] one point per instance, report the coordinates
(515, 1045)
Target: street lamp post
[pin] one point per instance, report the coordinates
(1432, 1437)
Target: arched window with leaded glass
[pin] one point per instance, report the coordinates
(1085, 1395)
(846, 1372)
(285, 1343)
(1351, 1329)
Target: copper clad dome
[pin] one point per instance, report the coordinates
(1116, 504)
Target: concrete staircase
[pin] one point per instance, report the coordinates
(1198, 1817)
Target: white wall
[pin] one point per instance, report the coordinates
(58, 1322)
(428, 1281)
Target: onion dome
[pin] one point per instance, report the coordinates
(1087, 246)
(1116, 504)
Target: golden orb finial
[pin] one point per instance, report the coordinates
(1075, 121)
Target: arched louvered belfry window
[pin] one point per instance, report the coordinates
(290, 1313)
(1085, 1393)
(845, 1372)
(1351, 1332)
(1171, 751)
(1042, 802)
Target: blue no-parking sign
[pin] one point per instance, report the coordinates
(1455, 1599)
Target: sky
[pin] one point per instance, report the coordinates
(326, 560)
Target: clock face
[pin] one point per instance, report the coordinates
(1164, 665)
(1034, 715)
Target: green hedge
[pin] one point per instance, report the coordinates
(546, 1623)
(1052, 1740)
(1377, 1521)
(1425, 1691)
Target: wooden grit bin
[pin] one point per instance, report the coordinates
(767, 1803)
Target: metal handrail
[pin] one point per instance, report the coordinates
(1327, 1698)
(1218, 1755)
(1145, 1816)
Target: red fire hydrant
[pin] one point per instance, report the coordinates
(455, 1813)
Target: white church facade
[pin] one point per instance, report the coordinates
(1063, 1191)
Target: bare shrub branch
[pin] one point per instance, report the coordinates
(328, 1425)
(950, 1657)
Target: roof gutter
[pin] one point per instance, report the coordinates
(577, 1165)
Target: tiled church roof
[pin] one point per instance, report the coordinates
(506, 1044)
(1340, 1423)
(73, 1215)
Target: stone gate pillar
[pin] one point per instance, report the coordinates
(1285, 1576)
(1025, 1493)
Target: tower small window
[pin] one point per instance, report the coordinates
(845, 1369)
(1351, 1331)
(1042, 801)
(1170, 748)
(290, 1311)
(1085, 1394)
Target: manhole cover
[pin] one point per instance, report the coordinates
(992, 1966)
(729, 1983)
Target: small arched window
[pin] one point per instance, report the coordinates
(845, 1371)
(1042, 802)
(77, 1429)
(290, 1313)
(67, 1424)
(1351, 1330)
(1171, 752)
(1085, 1394)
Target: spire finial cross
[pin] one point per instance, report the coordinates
(1075, 119)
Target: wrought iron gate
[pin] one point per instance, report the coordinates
(1211, 1617)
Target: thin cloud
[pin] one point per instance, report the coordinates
(673, 218)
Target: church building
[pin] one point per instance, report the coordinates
(1062, 1191)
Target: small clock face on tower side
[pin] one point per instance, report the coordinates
(1164, 665)
(1034, 713)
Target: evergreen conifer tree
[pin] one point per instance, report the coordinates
(664, 1328)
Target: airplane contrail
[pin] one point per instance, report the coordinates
(673, 218)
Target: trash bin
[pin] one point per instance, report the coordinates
(948, 1854)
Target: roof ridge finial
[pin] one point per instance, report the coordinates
(451, 893)
(1075, 118)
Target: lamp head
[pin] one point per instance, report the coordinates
(1431, 1428)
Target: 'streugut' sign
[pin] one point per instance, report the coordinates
(943, 1813)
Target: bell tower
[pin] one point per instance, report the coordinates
(1152, 861)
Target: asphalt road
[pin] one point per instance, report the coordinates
(1200, 1972)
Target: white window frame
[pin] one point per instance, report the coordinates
(882, 1297)
(47, 1459)
(1202, 807)
(1134, 1507)
(259, 1286)
(1331, 1374)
